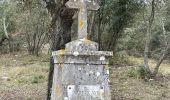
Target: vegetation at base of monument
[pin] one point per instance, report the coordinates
(127, 27)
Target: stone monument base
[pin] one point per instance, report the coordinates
(80, 74)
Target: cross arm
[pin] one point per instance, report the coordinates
(76, 5)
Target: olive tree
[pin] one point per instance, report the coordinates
(34, 24)
(150, 22)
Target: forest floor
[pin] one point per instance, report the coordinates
(24, 77)
(127, 84)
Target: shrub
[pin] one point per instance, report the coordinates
(142, 72)
(120, 58)
(133, 73)
(38, 79)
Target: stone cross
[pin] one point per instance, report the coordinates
(81, 72)
(83, 6)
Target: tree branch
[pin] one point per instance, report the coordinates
(148, 37)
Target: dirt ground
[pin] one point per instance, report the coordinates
(24, 77)
(126, 85)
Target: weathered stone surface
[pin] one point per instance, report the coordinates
(90, 4)
(81, 57)
(78, 76)
(85, 92)
(81, 69)
(82, 45)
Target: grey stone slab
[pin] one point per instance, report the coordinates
(83, 74)
(81, 53)
(85, 92)
(67, 75)
(92, 60)
(83, 67)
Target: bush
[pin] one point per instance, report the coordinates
(120, 58)
(138, 72)
(142, 72)
(15, 45)
(133, 73)
(38, 79)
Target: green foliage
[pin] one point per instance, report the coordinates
(120, 58)
(132, 42)
(133, 39)
(22, 80)
(114, 17)
(7, 10)
(139, 72)
(142, 72)
(38, 79)
(133, 73)
(34, 24)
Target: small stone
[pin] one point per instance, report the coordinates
(98, 74)
(65, 98)
(151, 79)
(102, 58)
(91, 72)
(107, 72)
(5, 78)
(83, 39)
(76, 53)
(79, 69)
(72, 62)
(89, 0)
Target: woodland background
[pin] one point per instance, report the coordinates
(137, 31)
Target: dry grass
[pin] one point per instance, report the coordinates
(24, 77)
(164, 68)
(126, 85)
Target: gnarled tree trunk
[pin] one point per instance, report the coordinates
(60, 30)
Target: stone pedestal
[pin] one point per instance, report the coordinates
(81, 72)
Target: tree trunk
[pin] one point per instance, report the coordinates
(146, 50)
(9, 38)
(99, 30)
(148, 39)
(50, 78)
(60, 31)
